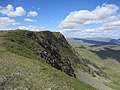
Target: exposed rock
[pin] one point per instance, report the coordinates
(51, 46)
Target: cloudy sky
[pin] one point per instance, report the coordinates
(73, 18)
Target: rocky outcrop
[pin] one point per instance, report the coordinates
(50, 46)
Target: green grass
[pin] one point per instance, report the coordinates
(20, 50)
(36, 74)
(20, 70)
(18, 43)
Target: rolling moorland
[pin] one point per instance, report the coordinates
(46, 61)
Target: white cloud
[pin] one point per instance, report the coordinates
(115, 23)
(105, 16)
(102, 14)
(105, 10)
(111, 30)
(29, 20)
(9, 11)
(6, 22)
(19, 11)
(32, 14)
(88, 33)
(32, 28)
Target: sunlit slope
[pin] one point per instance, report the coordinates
(19, 72)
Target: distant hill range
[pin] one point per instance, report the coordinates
(98, 41)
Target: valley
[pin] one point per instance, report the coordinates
(104, 56)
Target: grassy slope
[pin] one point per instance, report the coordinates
(51, 46)
(20, 72)
(110, 67)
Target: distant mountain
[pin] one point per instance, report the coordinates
(98, 41)
(116, 41)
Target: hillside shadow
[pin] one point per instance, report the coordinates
(108, 53)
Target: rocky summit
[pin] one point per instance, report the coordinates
(37, 61)
(52, 47)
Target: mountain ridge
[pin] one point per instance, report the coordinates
(98, 41)
(43, 45)
(23, 67)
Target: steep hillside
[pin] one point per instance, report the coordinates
(23, 57)
(52, 47)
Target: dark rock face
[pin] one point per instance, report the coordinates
(51, 46)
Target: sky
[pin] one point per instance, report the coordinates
(73, 18)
